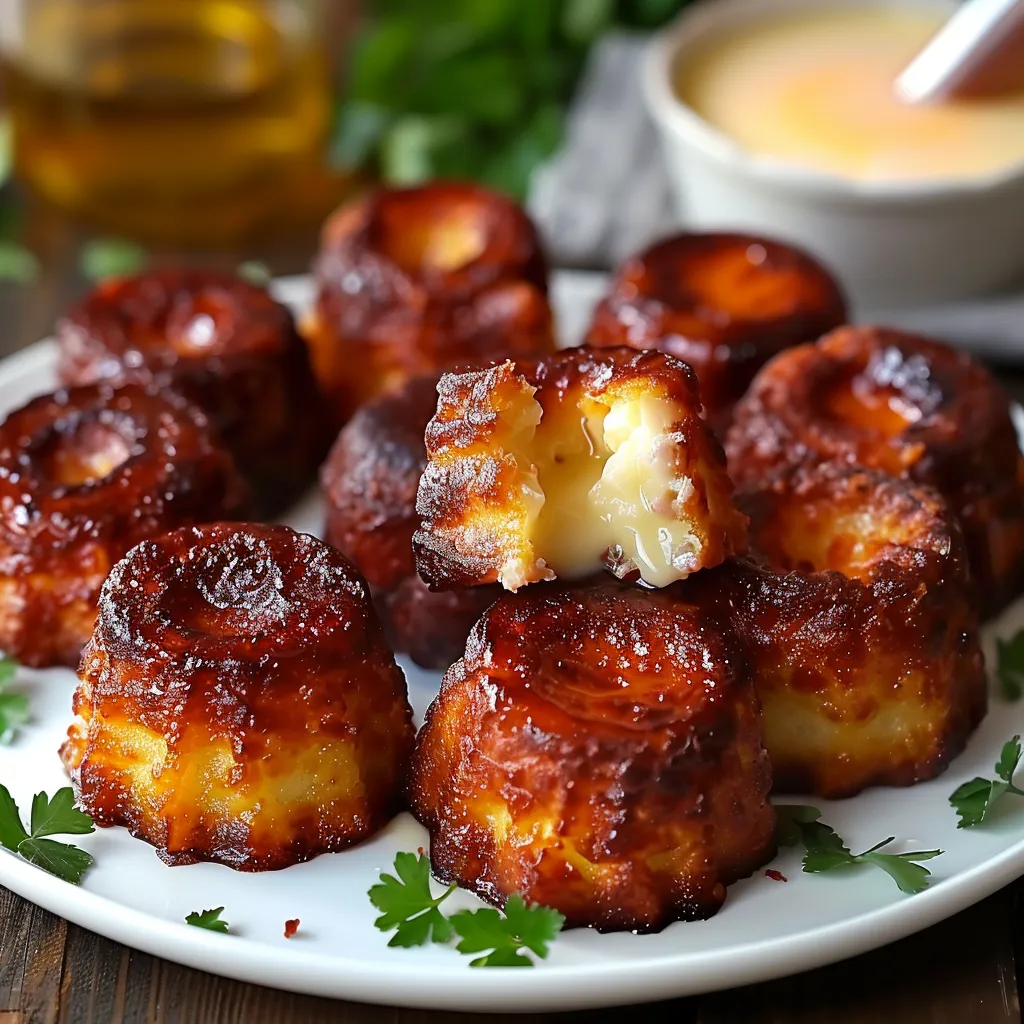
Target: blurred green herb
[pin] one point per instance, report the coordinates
(471, 88)
(255, 272)
(17, 264)
(13, 706)
(1010, 665)
(111, 257)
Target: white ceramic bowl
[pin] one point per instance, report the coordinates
(891, 244)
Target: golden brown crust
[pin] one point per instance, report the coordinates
(722, 303)
(597, 750)
(369, 483)
(238, 702)
(909, 406)
(432, 626)
(226, 345)
(85, 474)
(420, 280)
(489, 517)
(860, 628)
(370, 479)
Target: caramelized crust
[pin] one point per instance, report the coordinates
(723, 303)
(369, 483)
(585, 459)
(597, 750)
(84, 475)
(432, 626)
(420, 280)
(227, 346)
(909, 406)
(238, 702)
(861, 630)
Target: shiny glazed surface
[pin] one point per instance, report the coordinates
(597, 750)
(225, 344)
(85, 474)
(420, 280)
(722, 303)
(861, 627)
(369, 483)
(238, 702)
(909, 406)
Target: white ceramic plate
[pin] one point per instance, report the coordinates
(766, 928)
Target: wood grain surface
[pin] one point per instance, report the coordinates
(963, 971)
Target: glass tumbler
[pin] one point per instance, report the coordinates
(175, 120)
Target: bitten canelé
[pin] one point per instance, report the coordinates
(414, 281)
(85, 474)
(225, 344)
(559, 467)
(909, 406)
(238, 702)
(597, 750)
(723, 303)
(369, 482)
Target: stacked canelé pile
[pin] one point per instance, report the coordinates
(643, 637)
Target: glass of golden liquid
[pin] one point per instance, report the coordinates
(189, 121)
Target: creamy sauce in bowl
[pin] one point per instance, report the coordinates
(814, 88)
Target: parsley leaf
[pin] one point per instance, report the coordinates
(1010, 665)
(410, 909)
(826, 851)
(59, 815)
(60, 859)
(406, 903)
(12, 831)
(56, 816)
(505, 938)
(208, 919)
(110, 257)
(973, 800)
(13, 706)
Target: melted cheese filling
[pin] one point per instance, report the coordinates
(599, 489)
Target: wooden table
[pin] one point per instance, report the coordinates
(963, 971)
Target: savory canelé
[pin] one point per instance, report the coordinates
(419, 280)
(85, 474)
(560, 467)
(369, 482)
(909, 406)
(225, 344)
(238, 702)
(722, 303)
(597, 750)
(861, 630)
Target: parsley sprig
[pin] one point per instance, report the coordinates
(409, 907)
(56, 816)
(826, 851)
(208, 919)
(973, 800)
(13, 706)
(504, 938)
(1010, 665)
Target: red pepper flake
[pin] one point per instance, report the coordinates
(775, 876)
(291, 927)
